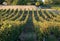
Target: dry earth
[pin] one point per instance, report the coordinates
(30, 7)
(19, 7)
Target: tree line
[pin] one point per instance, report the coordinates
(25, 2)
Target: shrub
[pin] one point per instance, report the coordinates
(28, 3)
(37, 3)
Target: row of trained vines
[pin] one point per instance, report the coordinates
(46, 24)
(11, 23)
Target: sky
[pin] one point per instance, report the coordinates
(43, 0)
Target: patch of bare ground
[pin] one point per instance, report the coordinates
(27, 7)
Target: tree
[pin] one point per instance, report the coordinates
(14, 2)
(9, 1)
(48, 2)
(56, 1)
(1, 1)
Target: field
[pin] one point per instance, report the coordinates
(55, 7)
(31, 25)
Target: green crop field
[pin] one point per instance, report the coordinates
(22, 25)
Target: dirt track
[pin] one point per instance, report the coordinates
(30, 7)
(19, 7)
